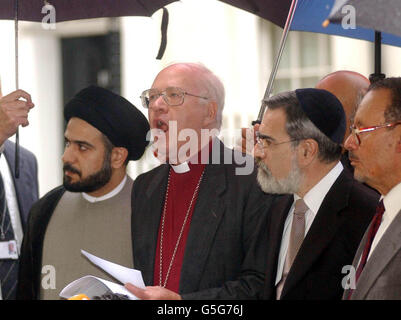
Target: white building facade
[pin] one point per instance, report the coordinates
(238, 46)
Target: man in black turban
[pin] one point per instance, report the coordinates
(92, 210)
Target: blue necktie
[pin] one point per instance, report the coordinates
(8, 267)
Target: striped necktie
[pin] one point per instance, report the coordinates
(8, 267)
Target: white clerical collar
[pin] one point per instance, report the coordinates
(181, 168)
(109, 195)
(184, 167)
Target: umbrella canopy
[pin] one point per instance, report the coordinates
(379, 15)
(272, 10)
(310, 14)
(65, 10)
(31, 10)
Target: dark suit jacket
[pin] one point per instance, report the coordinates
(381, 276)
(26, 186)
(329, 245)
(32, 246)
(225, 253)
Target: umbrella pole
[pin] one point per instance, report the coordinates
(378, 59)
(17, 87)
(269, 88)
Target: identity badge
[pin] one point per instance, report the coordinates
(8, 250)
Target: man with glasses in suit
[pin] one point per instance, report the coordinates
(198, 224)
(375, 153)
(318, 221)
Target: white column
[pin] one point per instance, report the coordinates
(39, 75)
(352, 54)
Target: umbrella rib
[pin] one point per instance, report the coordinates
(16, 87)
(255, 7)
(144, 7)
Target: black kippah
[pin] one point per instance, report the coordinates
(114, 116)
(325, 111)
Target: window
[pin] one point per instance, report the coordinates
(306, 59)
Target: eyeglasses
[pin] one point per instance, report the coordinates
(357, 131)
(173, 96)
(263, 141)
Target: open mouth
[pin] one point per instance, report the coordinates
(161, 125)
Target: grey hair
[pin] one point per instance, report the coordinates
(361, 93)
(299, 127)
(213, 86)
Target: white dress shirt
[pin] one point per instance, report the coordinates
(11, 198)
(392, 205)
(313, 199)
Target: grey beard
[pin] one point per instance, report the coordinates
(270, 184)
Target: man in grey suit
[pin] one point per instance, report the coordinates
(375, 153)
(19, 194)
(199, 220)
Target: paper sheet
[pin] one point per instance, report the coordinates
(121, 273)
(94, 286)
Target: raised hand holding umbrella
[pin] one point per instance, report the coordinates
(65, 10)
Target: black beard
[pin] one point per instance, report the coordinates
(92, 183)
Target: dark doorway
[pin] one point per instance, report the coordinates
(93, 60)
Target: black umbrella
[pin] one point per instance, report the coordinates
(280, 13)
(31, 10)
(272, 10)
(65, 10)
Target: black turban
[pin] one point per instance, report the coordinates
(325, 111)
(118, 119)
